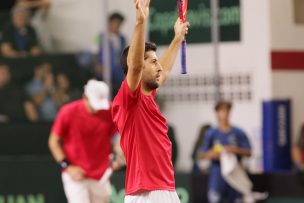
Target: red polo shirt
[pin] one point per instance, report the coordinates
(86, 137)
(144, 141)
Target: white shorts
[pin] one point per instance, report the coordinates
(86, 191)
(156, 196)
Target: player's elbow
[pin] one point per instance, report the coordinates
(53, 142)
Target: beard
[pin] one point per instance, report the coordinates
(152, 85)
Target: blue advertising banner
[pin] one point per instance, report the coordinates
(276, 135)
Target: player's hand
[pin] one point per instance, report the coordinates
(214, 155)
(142, 11)
(75, 172)
(117, 162)
(181, 29)
(232, 149)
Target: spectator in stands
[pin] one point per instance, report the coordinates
(36, 84)
(13, 105)
(298, 151)
(64, 92)
(42, 91)
(19, 38)
(34, 5)
(117, 43)
(224, 137)
(197, 166)
(39, 20)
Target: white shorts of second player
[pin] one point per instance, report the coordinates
(156, 196)
(86, 191)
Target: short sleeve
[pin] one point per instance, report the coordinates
(207, 141)
(60, 123)
(244, 141)
(124, 103)
(129, 98)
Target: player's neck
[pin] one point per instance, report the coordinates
(146, 91)
(224, 126)
(88, 107)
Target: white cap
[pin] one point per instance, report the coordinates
(97, 93)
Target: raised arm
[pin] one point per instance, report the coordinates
(168, 58)
(136, 53)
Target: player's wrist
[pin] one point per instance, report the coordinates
(140, 23)
(178, 39)
(64, 164)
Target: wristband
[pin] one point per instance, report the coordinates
(64, 163)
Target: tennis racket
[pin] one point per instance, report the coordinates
(182, 6)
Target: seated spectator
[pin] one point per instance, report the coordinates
(298, 151)
(64, 92)
(13, 105)
(34, 5)
(19, 38)
(42, 91)
(36, 84)
(39, 19)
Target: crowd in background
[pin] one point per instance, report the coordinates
(18, 37)
(41, 97)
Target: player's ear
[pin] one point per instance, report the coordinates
(145, 56)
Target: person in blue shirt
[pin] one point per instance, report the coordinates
(19, 38)
(233, 140)
(117, 43)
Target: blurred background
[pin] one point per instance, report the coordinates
(50, 48)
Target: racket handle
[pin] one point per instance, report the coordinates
(183, 58)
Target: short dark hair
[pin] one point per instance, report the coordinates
(149, 46)
(223, 104)
(116, 16)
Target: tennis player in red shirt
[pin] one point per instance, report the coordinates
(144, 139)
(80, 142)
